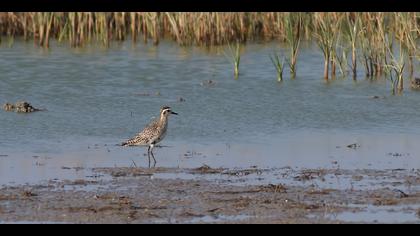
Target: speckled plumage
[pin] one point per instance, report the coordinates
(153, 133)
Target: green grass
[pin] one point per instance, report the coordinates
(279, 65)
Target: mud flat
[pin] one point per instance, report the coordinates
(207, 195)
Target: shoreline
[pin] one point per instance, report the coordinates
(140, 195)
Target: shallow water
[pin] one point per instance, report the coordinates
(97, 98)
(380, 214)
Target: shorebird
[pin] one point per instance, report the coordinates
(153, 133)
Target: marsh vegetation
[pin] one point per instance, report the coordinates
(385, 44)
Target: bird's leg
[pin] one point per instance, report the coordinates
(148, 155)
(153, 156)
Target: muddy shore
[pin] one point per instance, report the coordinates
(140, 195)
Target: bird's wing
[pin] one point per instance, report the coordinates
(144, 137)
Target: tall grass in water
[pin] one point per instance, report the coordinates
(358, 38)
(293, 25)
(234, 55)
(374, 43)
(279, 65)
(407, 33)
(325, 36)
(187, 28)
(351, 32)
(396, 70)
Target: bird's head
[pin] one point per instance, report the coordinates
(166, 111)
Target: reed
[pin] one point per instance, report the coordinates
(407, 34)
(293, 25)
(396, 67)
(351, 32)
(234, 55)
(279, 65)
(358, 38)
(325, 36)
(188, 28)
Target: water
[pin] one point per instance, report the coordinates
(380, 214)
(95, 99)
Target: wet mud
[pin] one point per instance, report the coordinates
(217, 195)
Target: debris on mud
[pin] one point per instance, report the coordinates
(396, 154)
(400, 194)
(357, 177)
(243, 172)
(276, 188)
(20, 107)
(208, 83)
(162, 199)
(353, 146)
(205, 169)
(147, 94)
(191, 154)
(377, 97)
(28, 194)
(130, 171)
(80, 182)
(306, 175)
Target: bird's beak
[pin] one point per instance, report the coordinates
(174, 113)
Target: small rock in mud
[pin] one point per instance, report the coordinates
(20, 107)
